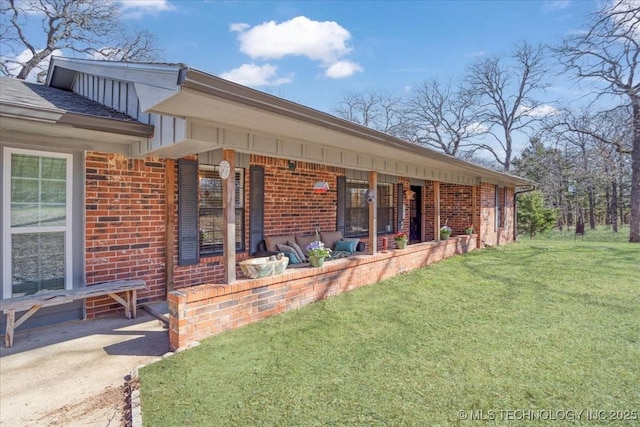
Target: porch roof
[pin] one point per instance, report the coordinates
(181, 91)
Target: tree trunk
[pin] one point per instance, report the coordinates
(592, 209)
(634, 221)
(614, 206)
(608, 215)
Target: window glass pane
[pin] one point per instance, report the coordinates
(36, 201)
(25, 190)
(37, 262)
(53, 192)
(357, 208)
(53, 168)
(385, 195)
(211, 221)
(25, 166)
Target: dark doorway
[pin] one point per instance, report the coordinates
(415, 215)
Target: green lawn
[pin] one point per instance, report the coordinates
(539, 326)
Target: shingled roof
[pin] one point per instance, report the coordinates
(20, 98)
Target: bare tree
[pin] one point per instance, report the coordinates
(442, 117)
(92, 27)
(379, 110)
(609, 53)
(506, 87)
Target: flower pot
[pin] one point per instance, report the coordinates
(444, 236)
(401, 244)
(316, 261)
(468, 231)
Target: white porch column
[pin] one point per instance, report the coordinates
(373, 214)
(436, 210)
(229, 214)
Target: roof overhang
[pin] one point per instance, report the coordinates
(178, 91)
(209, 98)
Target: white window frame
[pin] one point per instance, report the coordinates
(8, 231)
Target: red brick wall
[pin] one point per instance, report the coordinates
(290, 205)
(205, 310)
(488, 233)
(456, 206)
(124, 225)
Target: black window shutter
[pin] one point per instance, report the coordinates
(256, 207)
(188, 235)
(399, 205)
(341, 193)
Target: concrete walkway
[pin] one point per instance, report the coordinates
(73, 374)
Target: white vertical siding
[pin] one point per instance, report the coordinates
(122, 96)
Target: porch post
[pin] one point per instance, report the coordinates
(475, 217)
(373, 214)
(169, 221)
(436, 210)
(229, 215)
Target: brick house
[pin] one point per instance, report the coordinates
(139, 148)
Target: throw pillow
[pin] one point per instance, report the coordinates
(345, 246)
(293, 259)
(297, 249)
(284, 248)
(351, 244)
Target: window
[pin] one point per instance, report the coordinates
(357, 208)
(37, 222)
(210, 215)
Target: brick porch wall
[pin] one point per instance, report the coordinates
(202, 311)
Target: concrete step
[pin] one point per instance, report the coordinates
(158, 309)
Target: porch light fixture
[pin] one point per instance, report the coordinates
(321, 187)
(410, 195)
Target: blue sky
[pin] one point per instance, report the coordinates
(313, 52)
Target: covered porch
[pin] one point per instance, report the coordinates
(200, 311)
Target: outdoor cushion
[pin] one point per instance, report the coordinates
(303, 241)
(347, 245)
(285, 248)
(297, 249)
(293, 258)
(329, 238)
(272, 242)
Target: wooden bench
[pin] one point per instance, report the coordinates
(33, 303)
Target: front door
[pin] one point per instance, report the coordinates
(415, 215)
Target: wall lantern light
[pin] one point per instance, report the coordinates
(321, 187)
(409, 195)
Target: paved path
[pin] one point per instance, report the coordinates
(73, 374)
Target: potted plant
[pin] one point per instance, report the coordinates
(317, 253)
(469, 229)
(445, 232)
(401, 239)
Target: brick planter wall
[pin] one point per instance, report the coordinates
(201, 311)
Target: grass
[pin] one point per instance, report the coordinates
(543, 325)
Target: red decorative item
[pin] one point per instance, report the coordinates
(385, 242)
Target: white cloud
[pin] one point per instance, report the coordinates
(239, 27)
(138, 8)
(256, 75)
(476, 128)
(342, 69)
(324, 42)
(539, 111)
(14, 68)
